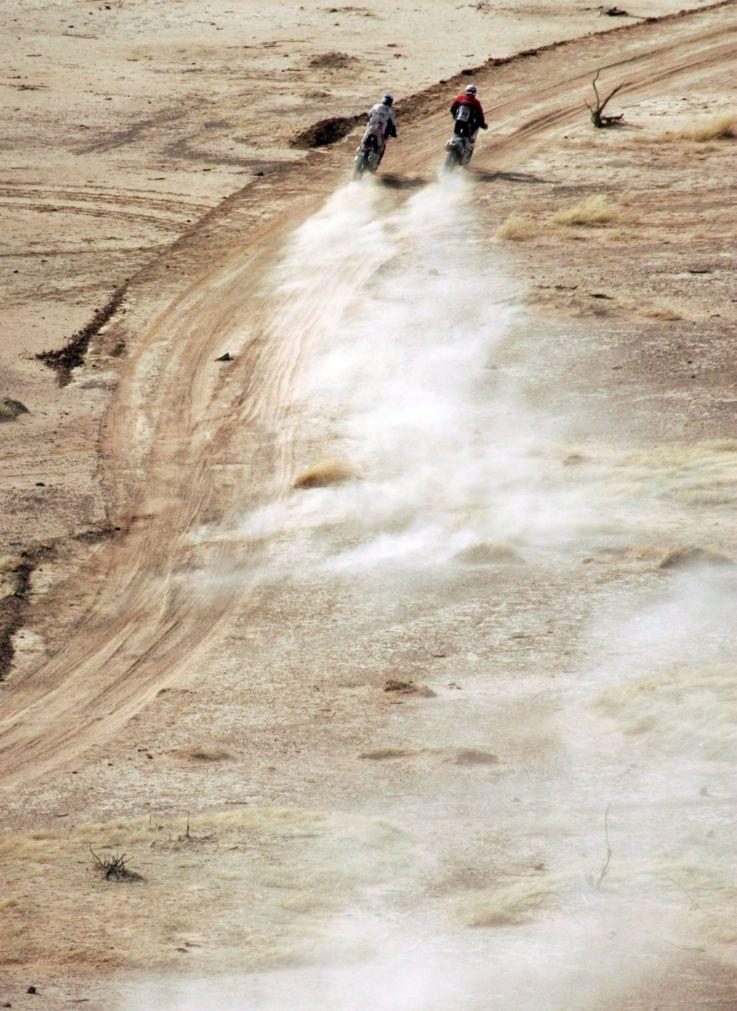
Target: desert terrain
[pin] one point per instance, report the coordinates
(396, 652)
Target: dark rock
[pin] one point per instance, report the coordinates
(475, 756)
(14, 406)
(408, 688)
(227, 357)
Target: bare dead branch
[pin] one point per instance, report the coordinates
(598, 118)
(609, 850)
(115, 867)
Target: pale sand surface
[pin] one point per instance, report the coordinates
(226, 652)
(124, 123)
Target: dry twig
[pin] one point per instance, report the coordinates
(609, 850)
(115, 867)
(598, 118)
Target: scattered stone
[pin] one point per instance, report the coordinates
(227, 357)
(408, 688)
(11, 409)
(613, 12)
(197, 754)
(31, 989)
(379, 754)
(475, 756)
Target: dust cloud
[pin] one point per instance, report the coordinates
(413, 376)
(408, 318)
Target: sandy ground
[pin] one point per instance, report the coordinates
(538, 409)
(124, 123)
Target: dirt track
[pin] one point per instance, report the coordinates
(190, 444)
(168, 428)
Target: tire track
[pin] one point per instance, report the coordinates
(147, 623)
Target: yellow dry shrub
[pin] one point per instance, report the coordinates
(324, 473)
(488, 553)
(689, 554)
(597, 209)
(202, 754)
(682, 711)
(508, 905)
(517, 227)
(720, 127)
(662, 310)
(257, 885)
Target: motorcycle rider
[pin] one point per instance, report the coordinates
(468, 116)
(382, 123)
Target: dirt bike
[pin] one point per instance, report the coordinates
(459, 151)
(368, 156)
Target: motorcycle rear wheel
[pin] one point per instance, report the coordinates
(451, 161)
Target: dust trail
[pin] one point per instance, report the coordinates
(418, 376)
(412, 369)
(408, 384)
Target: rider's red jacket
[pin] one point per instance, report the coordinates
(477, 112)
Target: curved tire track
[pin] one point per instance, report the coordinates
(147, 622)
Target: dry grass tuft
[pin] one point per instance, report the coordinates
(324, 473)
(235, 884)
(11, 409)
(381, 754)
(597, 209)
(517, 227)
(684, 557)
(661, 310)
(475, 756)
(511, 904)
(720, 127)
(199, 754)
(688, 711)
(487, 553)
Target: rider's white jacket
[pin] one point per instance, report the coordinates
(380, 116)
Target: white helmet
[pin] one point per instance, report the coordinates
(471, 89)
